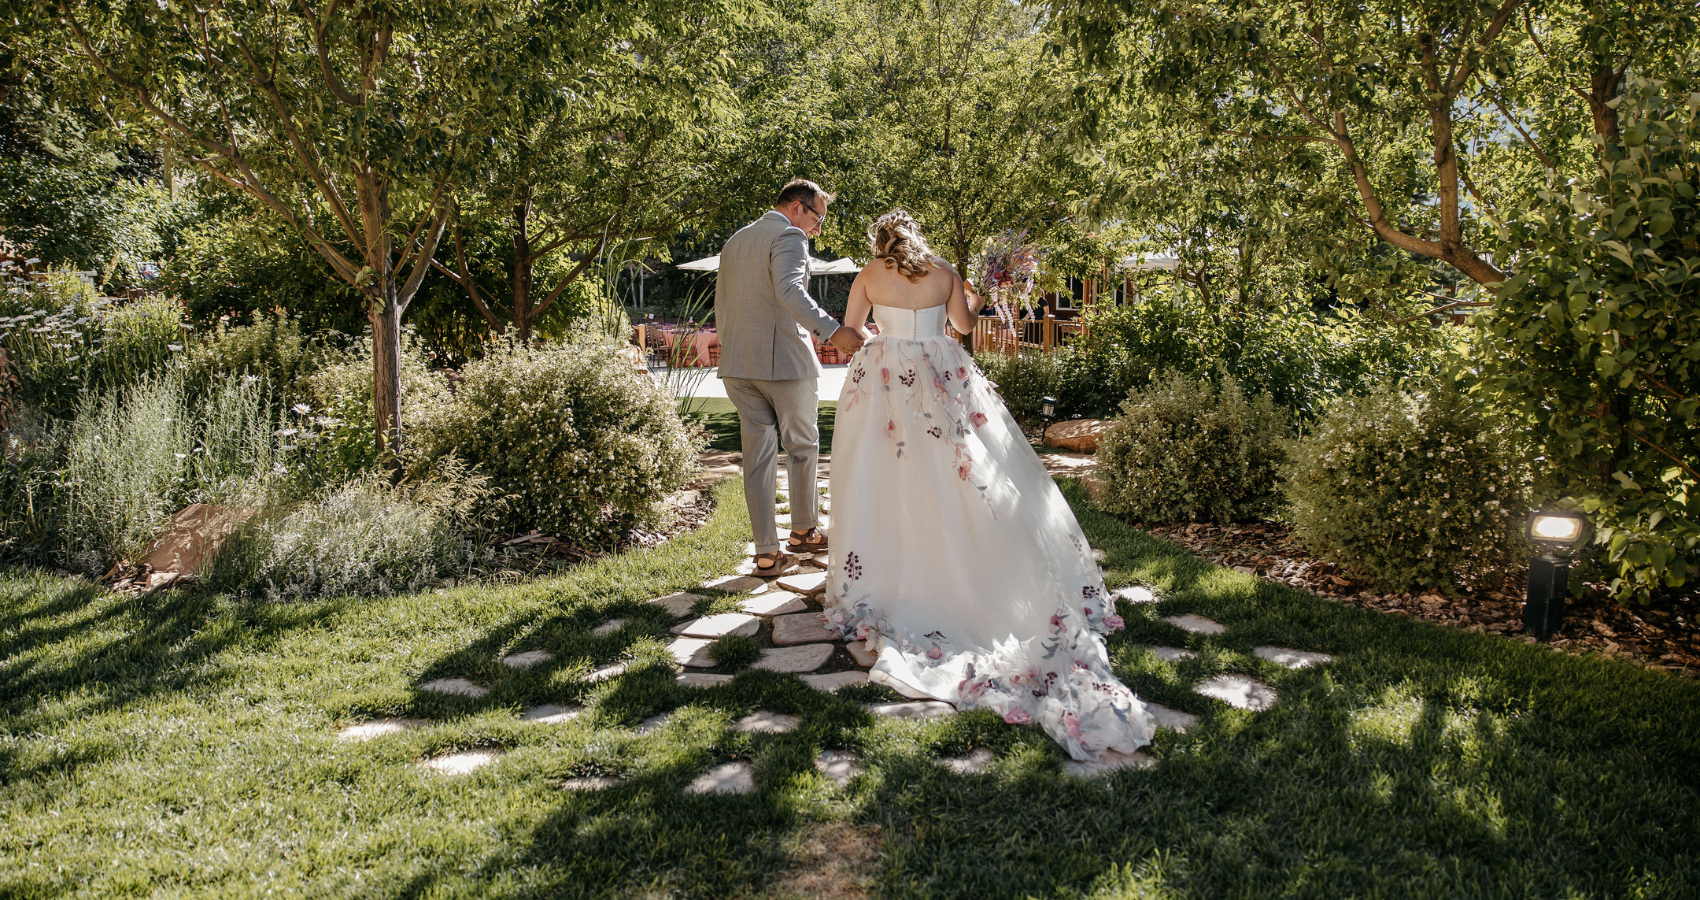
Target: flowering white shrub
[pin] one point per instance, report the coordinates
(574, 438)
(1184, 451)
(1411, 489)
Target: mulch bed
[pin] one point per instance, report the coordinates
(1662, 635)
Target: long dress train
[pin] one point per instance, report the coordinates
(956, 555)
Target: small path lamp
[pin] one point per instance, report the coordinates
(1047, 409)
(1558, 533)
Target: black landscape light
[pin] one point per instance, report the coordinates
(1048, 407)
(1558, 533)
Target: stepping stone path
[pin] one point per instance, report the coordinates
(1239, 691)
(748, 567)
(691, 652)
(607, 672)
(550, 714)
(1135, 594)
(804, 582)
(736, 584)
(1099, 556)
(652, 723)
(773, 603)
(763, 722)
(803, 628)
(458, 687)
(832, 681)
(718, 626)
(460, 763)
(609, 627)
(862, 653)
(803, 658)
(973, 763)
(1195, 624)
(730, 778)
(526, 659)
(702, 679)
(1171, 654)
(366, 731)
(594, 783)
(679, 604)
(1111, 761)
(917, 709)
(1292, 659)
(1172, 719)
(838, 765)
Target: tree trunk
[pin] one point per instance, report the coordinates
(1602, 89)
(386, 373)
(523, 313)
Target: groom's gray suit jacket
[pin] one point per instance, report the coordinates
(762, 304)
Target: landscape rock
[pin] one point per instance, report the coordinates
(862, 653)
(1239, 691)
(803, 628)
(801, 658)
(729, 778)
(194, 534)
(1079, 435)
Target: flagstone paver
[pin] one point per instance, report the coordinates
(1099, 555)
(730, 778)
(801, 658)
(832, 681)
(1172, 719)
(607, 672)
(701, 679)
(773, 603)
(915, 709)
(609, 627)
(458, 687)
(736, 584)
(862, 653)
(365, 731)
(1134, 593)
(652, 723)
(1111, 761)
(691, 652)
(592, 783)
(765, 722)
(838, 765)
(1292, 659)
(550, 714)
(749, 567)
(721, 625)
(1195, 624)
(526, 659)
(460, 763)
(803, 628)
(976, 761)
(1171, 654)
(1239, 691)
(679, 604)
(804, 582)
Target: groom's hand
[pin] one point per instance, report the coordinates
(847, 340)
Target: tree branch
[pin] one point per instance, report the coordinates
(317, 26)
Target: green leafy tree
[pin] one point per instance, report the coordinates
(347, 121)
(1596, 339)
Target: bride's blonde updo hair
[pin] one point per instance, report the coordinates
(896, 238)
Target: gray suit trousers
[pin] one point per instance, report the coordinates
(771, 412)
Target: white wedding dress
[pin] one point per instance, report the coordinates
(956, 555)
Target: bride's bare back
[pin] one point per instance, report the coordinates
(881, 284)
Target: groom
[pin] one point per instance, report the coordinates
(764, 314)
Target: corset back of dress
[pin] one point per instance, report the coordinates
(910, 324)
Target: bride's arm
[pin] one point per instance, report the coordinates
(856, 312)
(961, 317)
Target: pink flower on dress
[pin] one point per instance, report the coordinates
(1056, 622)
(965, 469)
(977, 418)
(1072, 723)
(1018, 716)
(890, 427)
(1114, 623)
(962, 371)
(885, 376)
(1087, 610)
(935, 653)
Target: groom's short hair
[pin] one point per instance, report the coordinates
(804, 190)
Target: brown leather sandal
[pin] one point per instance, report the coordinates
(811, 541)
(778, 559)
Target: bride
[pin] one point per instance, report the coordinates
(955, 556)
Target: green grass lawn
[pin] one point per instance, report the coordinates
(720, 418)
(186, 745)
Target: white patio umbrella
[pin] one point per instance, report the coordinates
(816, 266)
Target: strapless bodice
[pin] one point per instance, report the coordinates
(910, 324)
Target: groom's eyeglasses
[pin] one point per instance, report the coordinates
(819, 216)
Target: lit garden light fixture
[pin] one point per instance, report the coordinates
(1048, 407)
(1558, 533)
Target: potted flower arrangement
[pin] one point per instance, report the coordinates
(1006, 274)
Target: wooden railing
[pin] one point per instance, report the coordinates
(1027, 336)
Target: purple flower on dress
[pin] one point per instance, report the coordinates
(908, 378)
(1089, 592)
(852, 566)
